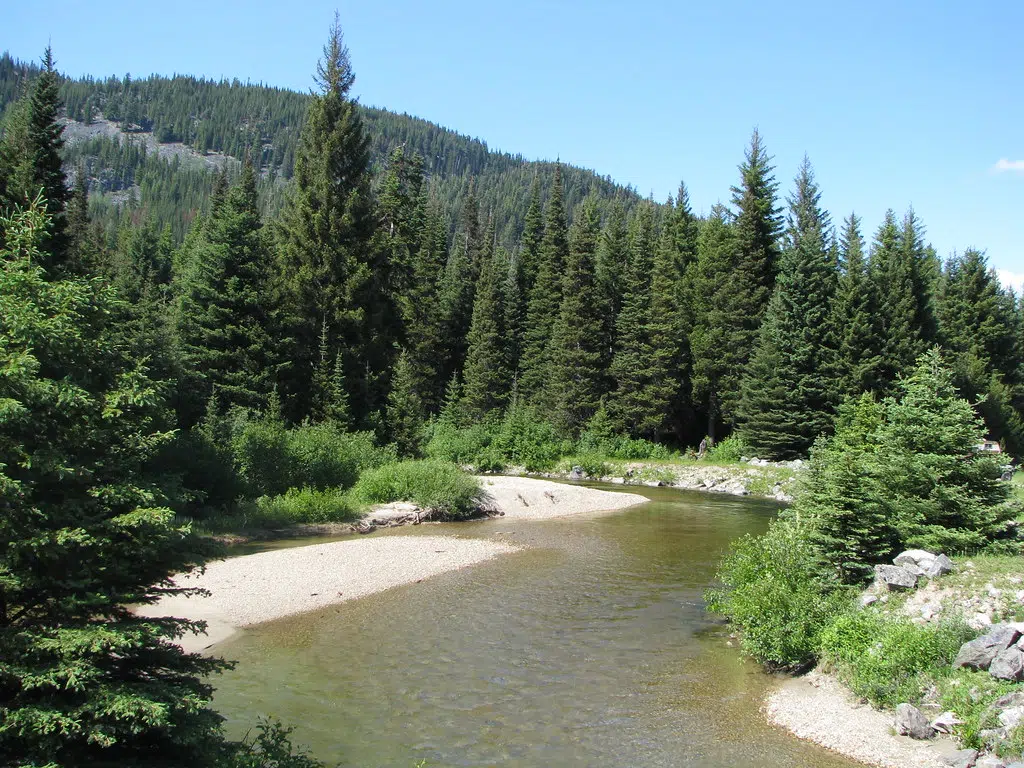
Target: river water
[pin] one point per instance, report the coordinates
(589, 648)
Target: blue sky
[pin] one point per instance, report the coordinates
(896, 103)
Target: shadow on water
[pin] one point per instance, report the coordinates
(590, 647)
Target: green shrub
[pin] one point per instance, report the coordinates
(971, 695)
(728, 451)
(428, 483)
(773, 592)
(261, 456)
(525, 440)
(889, 660)
(460, 445)
(306, 505)
(271, 459)
(592, 464)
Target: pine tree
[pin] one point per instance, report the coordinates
(925, 271)
(31, 163)
(758, 225)
(457, 292)
(789, 393)
(225, 324)
(612, 256)
(720, 331)
(486, 377)
(575, 386)
(853, 318)
(406, 415)
(628, 403)
(850, 526)
(545, 299)
(892, 278)
(942, 494)
(82, 537)
(329, 272)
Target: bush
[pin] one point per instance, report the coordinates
(306, 505)
(523, 439)
(429, 483)
(466, 445)
(729, 451)
(272, 459)
(889, 660)
(773, 592)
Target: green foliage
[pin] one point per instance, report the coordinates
(889, 660)
(460, 445)
(728, 451)
(943, 494)
(83, 535)
(772, 589)
(303, 505)
(271, 747)
(524, 440)
(972, 695)
(272, 459)
(430, 484)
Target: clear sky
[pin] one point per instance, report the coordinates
(896, 103)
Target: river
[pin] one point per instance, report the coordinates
(589, 648)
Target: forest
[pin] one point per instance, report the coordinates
(343, 290)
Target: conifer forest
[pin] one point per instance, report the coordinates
(221, 300)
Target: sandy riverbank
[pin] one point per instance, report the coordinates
(818, 708)
(256, 588)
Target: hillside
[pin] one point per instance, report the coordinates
(153, 143)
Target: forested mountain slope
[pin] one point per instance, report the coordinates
(153, 143)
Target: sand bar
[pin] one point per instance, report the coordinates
(253, 589)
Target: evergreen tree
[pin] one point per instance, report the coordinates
(758, 225)
(612, 256)
(485, 377)
(720, 331)
(545, 299)
(457, 293)
(224, 320)
(406, 415)
(31, 163)
(82, 536)
(790, 392)
(628, 404)
(575, 386)
(942, 494)
(329, 272)
(853, 319)
(892, 278)
(925, 271)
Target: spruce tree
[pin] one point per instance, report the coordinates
(225, 323)
(892, 278)
(758, 225)
(720, 331)
(575, 384)
(406, 415)
(628, 404)
(83, 536)
(925, 271)
(31, 162)
(329, 272)
(790, 392)
(457, 293)
(485, 378)
(545, 299)
(853, 318)
(612, 256)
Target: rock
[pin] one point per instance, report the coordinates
(989, 761)
(1007, 475)
(939, 567)
(929, 612)
(868, 599)
(577, 473)
(910, 721)
(918, 557)
(963, 758)
(978, 654)
(894, 577)
(944, 723)
(1008, 665)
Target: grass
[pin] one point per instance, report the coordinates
(430, 484)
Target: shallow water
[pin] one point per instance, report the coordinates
(589, 648)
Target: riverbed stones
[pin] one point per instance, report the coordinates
(577, 473)
(939, 567)
(979, 654)
(911, 721)
(895, 578)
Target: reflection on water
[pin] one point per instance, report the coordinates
(589, 648)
